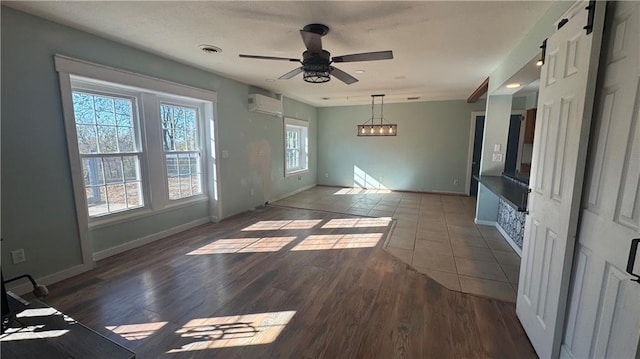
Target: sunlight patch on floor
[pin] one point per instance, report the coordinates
(338, 241)
(233, 331)
(136, 331)
(284, 224)
(358, 222)
(243, 245)
(346, 191)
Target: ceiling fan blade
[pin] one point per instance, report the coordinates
(365, 56)
(343, 76)
(291, 73)
(312, 41)
(269, 58)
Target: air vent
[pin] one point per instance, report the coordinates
(210, 49)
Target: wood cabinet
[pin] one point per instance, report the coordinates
(530, 125)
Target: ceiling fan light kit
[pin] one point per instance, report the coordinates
(370, 128)
(316, 62)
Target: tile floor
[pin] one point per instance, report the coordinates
(435, 234)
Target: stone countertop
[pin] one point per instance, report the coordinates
(516, 176)
(514, 193)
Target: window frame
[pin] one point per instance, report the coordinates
(80, 84)
(181, 102)
(77, 74)
(303, 157)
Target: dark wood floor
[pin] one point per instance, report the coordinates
(178, 298)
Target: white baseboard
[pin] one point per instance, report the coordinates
(148, 239)
(292, 193)
(25, 286)
(511, 242)
(485, 223)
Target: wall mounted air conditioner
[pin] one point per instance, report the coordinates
(265, 104)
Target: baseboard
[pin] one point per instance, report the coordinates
(148, 239)
(511, 242)
(26, 287)
(302, 189)
(443, 193)
(485, 223)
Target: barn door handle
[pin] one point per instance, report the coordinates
(632, 259)
(592, 13)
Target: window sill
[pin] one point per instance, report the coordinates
(138, 213)
(296, 173)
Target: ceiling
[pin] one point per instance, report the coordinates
(442, 50)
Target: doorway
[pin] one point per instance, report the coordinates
(477, 153)
(513, 141)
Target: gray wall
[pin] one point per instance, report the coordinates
(429, 152)
(529, 46)
(497, 125)
(38, 212)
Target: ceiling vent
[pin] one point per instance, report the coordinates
(265, 104)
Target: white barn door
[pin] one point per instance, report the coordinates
(567, 87)
(603, 318)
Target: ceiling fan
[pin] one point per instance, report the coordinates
(316, 62)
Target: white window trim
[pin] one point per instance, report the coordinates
(86, 86)
(68, 67)
(298, 123)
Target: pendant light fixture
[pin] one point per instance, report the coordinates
(371, 128)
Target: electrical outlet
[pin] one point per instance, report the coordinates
(455, 181)
(497, 157)
(326, 175)
(18, 256)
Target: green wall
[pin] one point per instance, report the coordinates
(428, 154)
(529, 46)
(38, 211)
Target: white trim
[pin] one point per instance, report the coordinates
(302, 189)
(148, 239)
(303, 125)
(75, 164)
(70, 65)
(484, 223)
(472, 135)
(212, 162)
(21, 289)
(511, 242)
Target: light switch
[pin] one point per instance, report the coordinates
(497, 157)
(225, 154)
(496, 147)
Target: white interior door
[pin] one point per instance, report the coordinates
(603, 318)
(567, 86)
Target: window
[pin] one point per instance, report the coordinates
(182, 150)
(138, 149)
(109, 146)
(296, 144)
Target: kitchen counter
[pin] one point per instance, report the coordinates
(512, 191)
